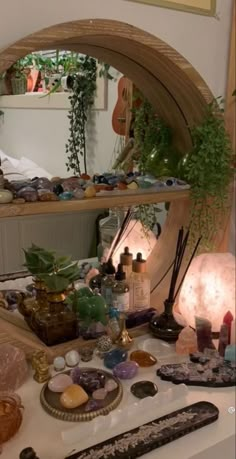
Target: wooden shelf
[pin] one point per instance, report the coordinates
(123, 199)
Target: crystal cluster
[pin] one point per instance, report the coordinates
(13, 367)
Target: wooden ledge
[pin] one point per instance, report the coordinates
(122, 199)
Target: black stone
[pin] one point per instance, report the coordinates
(142, 389)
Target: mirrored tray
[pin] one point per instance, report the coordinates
(51, 401)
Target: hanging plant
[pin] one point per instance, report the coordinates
(81, 101)
(208, 169)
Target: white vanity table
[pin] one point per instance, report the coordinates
(51, 438)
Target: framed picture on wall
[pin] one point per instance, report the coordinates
(207, 7)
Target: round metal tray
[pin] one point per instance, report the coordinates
(50, 401)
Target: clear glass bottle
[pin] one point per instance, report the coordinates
(108, 282)
(140, 285)
(120, 290)
(126, 259)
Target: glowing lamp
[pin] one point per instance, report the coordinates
(208, 290)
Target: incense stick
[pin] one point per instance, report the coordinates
(119, 234)
(186, 270)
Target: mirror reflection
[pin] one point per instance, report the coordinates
(70, 125)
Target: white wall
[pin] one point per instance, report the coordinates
(202, 40)
(41, 135)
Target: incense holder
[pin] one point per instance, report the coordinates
(164, 326)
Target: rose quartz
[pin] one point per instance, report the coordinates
(187, 342)
(13, 367)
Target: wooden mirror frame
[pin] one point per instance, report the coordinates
(165, 77)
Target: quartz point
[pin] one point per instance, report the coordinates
(143, 358)
(223, 339)
(187, 342)
(111, 385)
(204, 334)
(13, 367)
(227, 320)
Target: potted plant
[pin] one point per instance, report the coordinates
(53, 323)
(208, 168)
(19, 73)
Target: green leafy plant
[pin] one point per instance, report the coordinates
(208, 169)
(57, 273)
(81, 102)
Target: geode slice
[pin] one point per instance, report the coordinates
(13, 367)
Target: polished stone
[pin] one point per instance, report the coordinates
(75, 375)
(114, 357)
(59, 363)
(92, 380)
(73, 397)
(72, 358)
(142, 389)
(126, 370)
(100, 394)
(111, 385)
(93, 405)
(59, 383)
(143, 358)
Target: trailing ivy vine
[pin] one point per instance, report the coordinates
(208, 169)
(81, 101)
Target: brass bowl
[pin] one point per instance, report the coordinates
(50, 401)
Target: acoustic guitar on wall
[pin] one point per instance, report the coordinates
(120, 111)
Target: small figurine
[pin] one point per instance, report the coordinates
(41, 366)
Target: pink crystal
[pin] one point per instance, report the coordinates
(13, 367)
(227, 320)
(100, 394)
(187, 342)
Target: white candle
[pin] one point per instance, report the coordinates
(232, 336)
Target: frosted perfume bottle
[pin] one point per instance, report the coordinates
(120, 290)
(140, 285)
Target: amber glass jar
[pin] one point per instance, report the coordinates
(55, 324)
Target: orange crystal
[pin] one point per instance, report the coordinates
(187, 342)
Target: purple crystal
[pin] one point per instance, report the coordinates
(126, 370)
(92, 380)
(75, 375)
(93, 405)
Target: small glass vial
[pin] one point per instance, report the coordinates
(108, 282)
(140, 285)
(113, 322)
(126, 259)
(120, 290)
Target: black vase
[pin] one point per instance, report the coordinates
(164, 326)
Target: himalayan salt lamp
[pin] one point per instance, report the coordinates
(208, 289)
(13, 367)
(187, 342)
